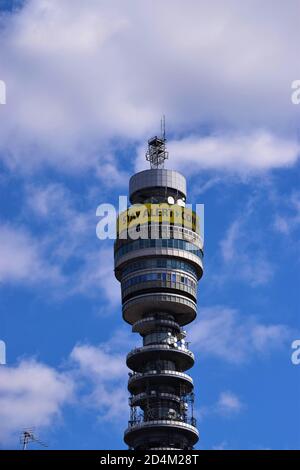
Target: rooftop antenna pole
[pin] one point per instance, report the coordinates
(157, 153)
(163, 128)
(28, 436)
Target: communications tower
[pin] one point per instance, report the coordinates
(158, 261)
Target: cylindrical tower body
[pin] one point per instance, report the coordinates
(159, 270)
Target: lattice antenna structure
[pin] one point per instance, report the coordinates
(157, 153)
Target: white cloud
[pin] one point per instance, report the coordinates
(264, 336)
(103, 370)
(98, 363)
(224, 333)
(67, 234)
(66, 228)
(110, 71)
(229, 403)
(47, 201)
(95, 377)
(22, 258)
(31, 394)
(257, 151)
(97, 273)
(102, 373)
(221, 446)
(107, 372)
(288, 223)
(243, 252)
(228, 244)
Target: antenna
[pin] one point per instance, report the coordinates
(157, 153)
(28, 436)
(163, 127)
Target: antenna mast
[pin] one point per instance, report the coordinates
(157, 153)
(28, 436)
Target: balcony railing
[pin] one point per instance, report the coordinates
(188, 423)
(183, 419)
(136, 375)
(153, 347)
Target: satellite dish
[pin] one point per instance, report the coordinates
(181, 202)
(171, 200)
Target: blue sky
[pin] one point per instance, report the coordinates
(87, 83)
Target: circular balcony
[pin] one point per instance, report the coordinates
(160, 428)
(180, 381)
(159, 263)
(160, 286)
(147, 325)
(142, 398)
(183, 358)
(184, 310)
(123, 247)
(192, 257)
